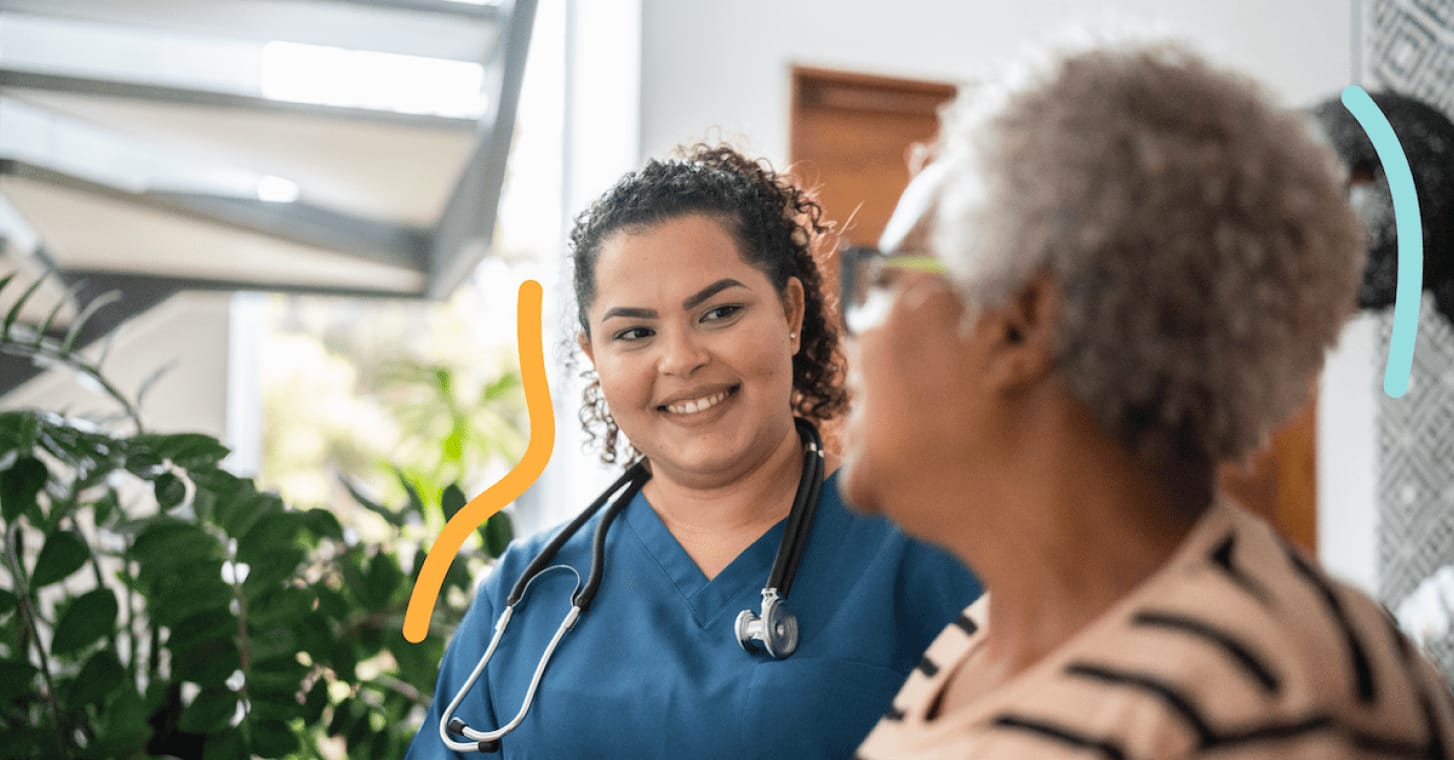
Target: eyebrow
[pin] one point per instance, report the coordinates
(690, 302)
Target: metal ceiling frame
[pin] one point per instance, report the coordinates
(444, 254)
(464, 231)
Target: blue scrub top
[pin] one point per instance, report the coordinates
(653, 669)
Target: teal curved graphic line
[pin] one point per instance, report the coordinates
(1410, 237)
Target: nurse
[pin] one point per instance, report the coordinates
(701, 306)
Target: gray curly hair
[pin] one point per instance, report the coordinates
(1201, 238)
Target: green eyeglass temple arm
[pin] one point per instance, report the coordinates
(915, 263)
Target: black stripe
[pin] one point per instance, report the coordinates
(1162, 690)
(1382, 745)
(1061, 734)
(965, 624)
(1221, 557)
(894, 714)
(1273, 731)
(1362, 670)
(927, 667)
(1226, 641)
(1435, 743)
(1436, 739)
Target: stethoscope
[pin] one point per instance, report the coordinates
(773, 629)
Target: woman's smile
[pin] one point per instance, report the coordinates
(691, 407)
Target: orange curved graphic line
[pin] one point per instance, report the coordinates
(521, 476)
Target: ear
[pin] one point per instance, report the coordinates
(1022, 335)
(584, 342)
(794, 306)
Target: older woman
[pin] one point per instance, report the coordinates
(1119, 272)
(739, 613)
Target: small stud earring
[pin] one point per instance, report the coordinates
(793, 336)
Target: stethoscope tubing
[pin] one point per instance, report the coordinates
(795, 533)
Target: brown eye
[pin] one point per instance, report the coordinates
(721, 312)
(633, 334)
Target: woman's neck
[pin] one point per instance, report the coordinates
(1080, 527)
(714, 520)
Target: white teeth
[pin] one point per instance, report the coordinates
(698, 405)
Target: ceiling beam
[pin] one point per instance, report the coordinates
(11, 78)
(465, 230)
(366, 239)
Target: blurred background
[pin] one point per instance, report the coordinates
(297, 228)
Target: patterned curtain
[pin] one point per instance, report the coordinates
(1408, 47)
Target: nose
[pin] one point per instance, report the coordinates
(682, 354)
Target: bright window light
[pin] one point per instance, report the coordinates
(369, 79)
(276, 190)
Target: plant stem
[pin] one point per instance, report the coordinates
(390, 683)
(100, 578)
(45, 348)
(27, 614)
(131, 646)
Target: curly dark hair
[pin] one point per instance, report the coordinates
(779, 229)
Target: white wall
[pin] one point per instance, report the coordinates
(719, 64)
(726, 66)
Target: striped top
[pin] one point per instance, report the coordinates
(1237, 648)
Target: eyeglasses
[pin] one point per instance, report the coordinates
(865, 296)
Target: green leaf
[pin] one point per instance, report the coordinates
(382, 581)
(182, 596)
(17, 433)
(7, 602)
(90, 617)
(190, 451)
(272, 644)
(99, 678)
(282, 607)
(270, 534)
(15, 309)
(237, 514)
(209, 663)
(323, 524)
(105, 507)
(390, 516)
(169, 550)
(64, 553)
(151, 380)
(209, 625)
(228, 746)
(416, 504)
(268, 575)
(498, 532)
(210, 712)
(124, 729)
(503, 386)
(17, 678)
(96, 304)
(452, 500)
(44, 328)
(271, 738)
(20, 487)
(169, 489)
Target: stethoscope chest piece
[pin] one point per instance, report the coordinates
(775, 630)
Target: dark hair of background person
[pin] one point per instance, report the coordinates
(779, 229)
(1427, 138)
